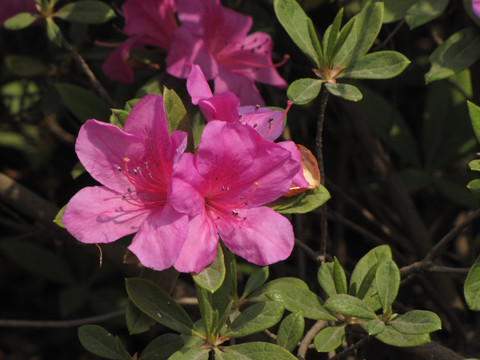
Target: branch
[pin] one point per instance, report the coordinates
(309, 336)
(351, 348)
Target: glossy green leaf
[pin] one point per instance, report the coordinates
(208, 314)
(387, 279)
(255, 318)
(472, 287)
(58, 217)
(394, 337)
(454, 55)
(174, 109)
(350, 306)
(339, 277)
(301, 203)
(331, 35)
(374, 326)
(37, 260)
(290, 331)
(137, 321)
(157, 304)
(377, 65)
(212, 277)
(329, 338)
(474, 112)
(25, 65)
(194, 353)
(364, 31)
(83, 103)
(20, 21)
(346, 91)
(118, 117)
(162, 347)
(100, 342)
(295, 296)
(54, 34)
(253, 351)
(417, 322)
(295, 22)
(393, 9)
(474, 187)
(325, 279)
(474, 165)
(302, 91)
(424, 11)
(255, 280)
(86, 12)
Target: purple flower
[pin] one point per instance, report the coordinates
(134, 166)
(223, 189)
(476, 7)
(215, 38)
(148, 23)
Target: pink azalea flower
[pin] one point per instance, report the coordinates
(215, 38)
(149, 23)
(223, 189)
(476, 7)
(134, 167)
(9, 8)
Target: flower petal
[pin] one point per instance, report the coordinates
(116, 66)
(100, 215)
(261, 235)
(200, 248)
(267, 122)
(240, 84)
(160, 238)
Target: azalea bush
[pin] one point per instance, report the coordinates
(240, 180)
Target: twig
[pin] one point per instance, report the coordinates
(60, 323)
(312, 254)
(314, 330)
(351, 348)
(90, 75)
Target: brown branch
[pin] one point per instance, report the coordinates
(308, 338)
(351, 349)
(307, 249)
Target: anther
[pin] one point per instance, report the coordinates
(228, 189)
(223, 188)
(234, 213)
(129, 190)
(119, 168)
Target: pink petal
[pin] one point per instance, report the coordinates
(268, 123)
(116, 66)
(197, 85)
(100, 215)
(299, 179)
(261, 235)
(222, 107)
(200, 248)
(476, 7)
(102, 149)
(240, 84)
(160, 238)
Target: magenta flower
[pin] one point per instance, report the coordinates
(215, 38)
(223, 189)
(14, 7)
(476, 7)
(148, 23)
(134, 167)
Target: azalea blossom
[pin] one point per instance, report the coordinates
(133, 166)
(215, 38)
(223, 189)
(476, 7)
(148, 23)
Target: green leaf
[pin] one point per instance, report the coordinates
(162, 347)
(208, 314)
(474, 187)
(290, 331)
(295, 22)
(253, 351)
(255, 318)
(417, 322)
(374, 326)
(86, 12)
(454, 55)
(25, 65)
(194, 353)
(301, 203)
(425, 10)
(346, 91)
(54, 33)
(325, 279)
(314, 38)
(350, 306)
(84, 104)
(393, 9)
(302, 91)
(118, 117)
(394, 337)
(157, 304)
(339, 278)
(363, 276)
(212, 277)
(38, 260)
(295, 296)
(387, 279)
(474, 112)
(364, 31)
(137, 321)
(329, 338)
(58, 217)
(174, 109)
(377, 65)
(472, 287)
(474, 165)
(330, 40)
(20, 21)
(255, 280)
(100, 342)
